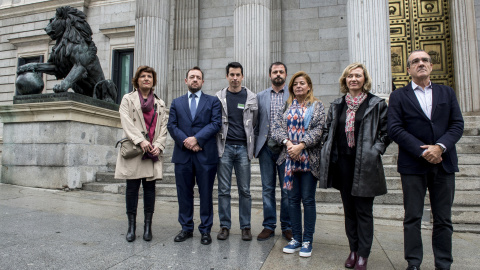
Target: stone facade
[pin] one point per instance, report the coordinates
(307, 35)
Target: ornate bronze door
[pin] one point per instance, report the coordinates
(421, 25)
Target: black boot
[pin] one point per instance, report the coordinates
(131, 227)
(147, 233)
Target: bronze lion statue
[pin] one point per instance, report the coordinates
(74, 57)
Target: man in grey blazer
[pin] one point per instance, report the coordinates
(270, 102)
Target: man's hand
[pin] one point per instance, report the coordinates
(196, 148)
(190, 142)
(432, 154)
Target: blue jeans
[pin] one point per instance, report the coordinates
(268, 171)
(303, 190)
(234, 156)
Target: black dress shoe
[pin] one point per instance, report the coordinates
(206, 239)
(182, 236)
(413, 267)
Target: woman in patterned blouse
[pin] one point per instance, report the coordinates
(298, 127)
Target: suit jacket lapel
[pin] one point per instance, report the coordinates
(435, 97)
(201, 104)
(413, 98)
(267, 102)
(186, 106)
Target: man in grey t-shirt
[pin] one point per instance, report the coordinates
(235, 143)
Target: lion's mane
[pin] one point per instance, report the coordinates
(72, 30)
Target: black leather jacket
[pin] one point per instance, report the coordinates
(369, 177)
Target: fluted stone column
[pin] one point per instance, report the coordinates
(276, 30)
(252, 41)
(369, 41)
(151, 39)
(466, 59)
(185, 43)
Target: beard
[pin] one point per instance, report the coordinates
(278, 81)
(194, 89)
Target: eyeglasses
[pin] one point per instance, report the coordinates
(417, 60)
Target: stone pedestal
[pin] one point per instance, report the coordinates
(57, 144)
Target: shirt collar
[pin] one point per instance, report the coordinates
(281, 90)
(416, 86)
(198, 93)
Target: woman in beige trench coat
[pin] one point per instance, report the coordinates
(136, 112)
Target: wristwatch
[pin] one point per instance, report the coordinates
(284, 142)
(441, 146)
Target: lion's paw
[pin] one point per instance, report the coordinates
(58, 88)
(26, 68)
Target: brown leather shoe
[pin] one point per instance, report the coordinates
(288, 235)
(351, 260)
(265, 234)
(223, 234)
(361, 263)
(246, 234)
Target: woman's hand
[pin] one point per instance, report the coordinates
(294, 151)
(146, 146)
(155, 151)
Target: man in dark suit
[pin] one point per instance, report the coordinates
(424, 119)
(194, 121)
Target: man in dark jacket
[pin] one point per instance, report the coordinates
(195, 118)
(424, 119)
(270, 101)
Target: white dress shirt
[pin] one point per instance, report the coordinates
(197, 99)
(424, 97)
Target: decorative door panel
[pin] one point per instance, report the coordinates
(421, 25)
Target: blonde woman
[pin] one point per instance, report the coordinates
(355, 137)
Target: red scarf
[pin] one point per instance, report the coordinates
(148, 113)
(353, 104)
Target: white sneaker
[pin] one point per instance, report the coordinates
(306, 250)
(292, 246)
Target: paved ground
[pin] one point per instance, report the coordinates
(51, 229)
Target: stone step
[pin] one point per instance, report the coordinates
(393, 182)
(465, 159)
(328, 201)
(471, 129)
(465, 170)
(472, 138)
(393, 197)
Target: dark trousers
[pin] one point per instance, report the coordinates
(358, 210)
(441, 187)
(131, 195)
(185, 177)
